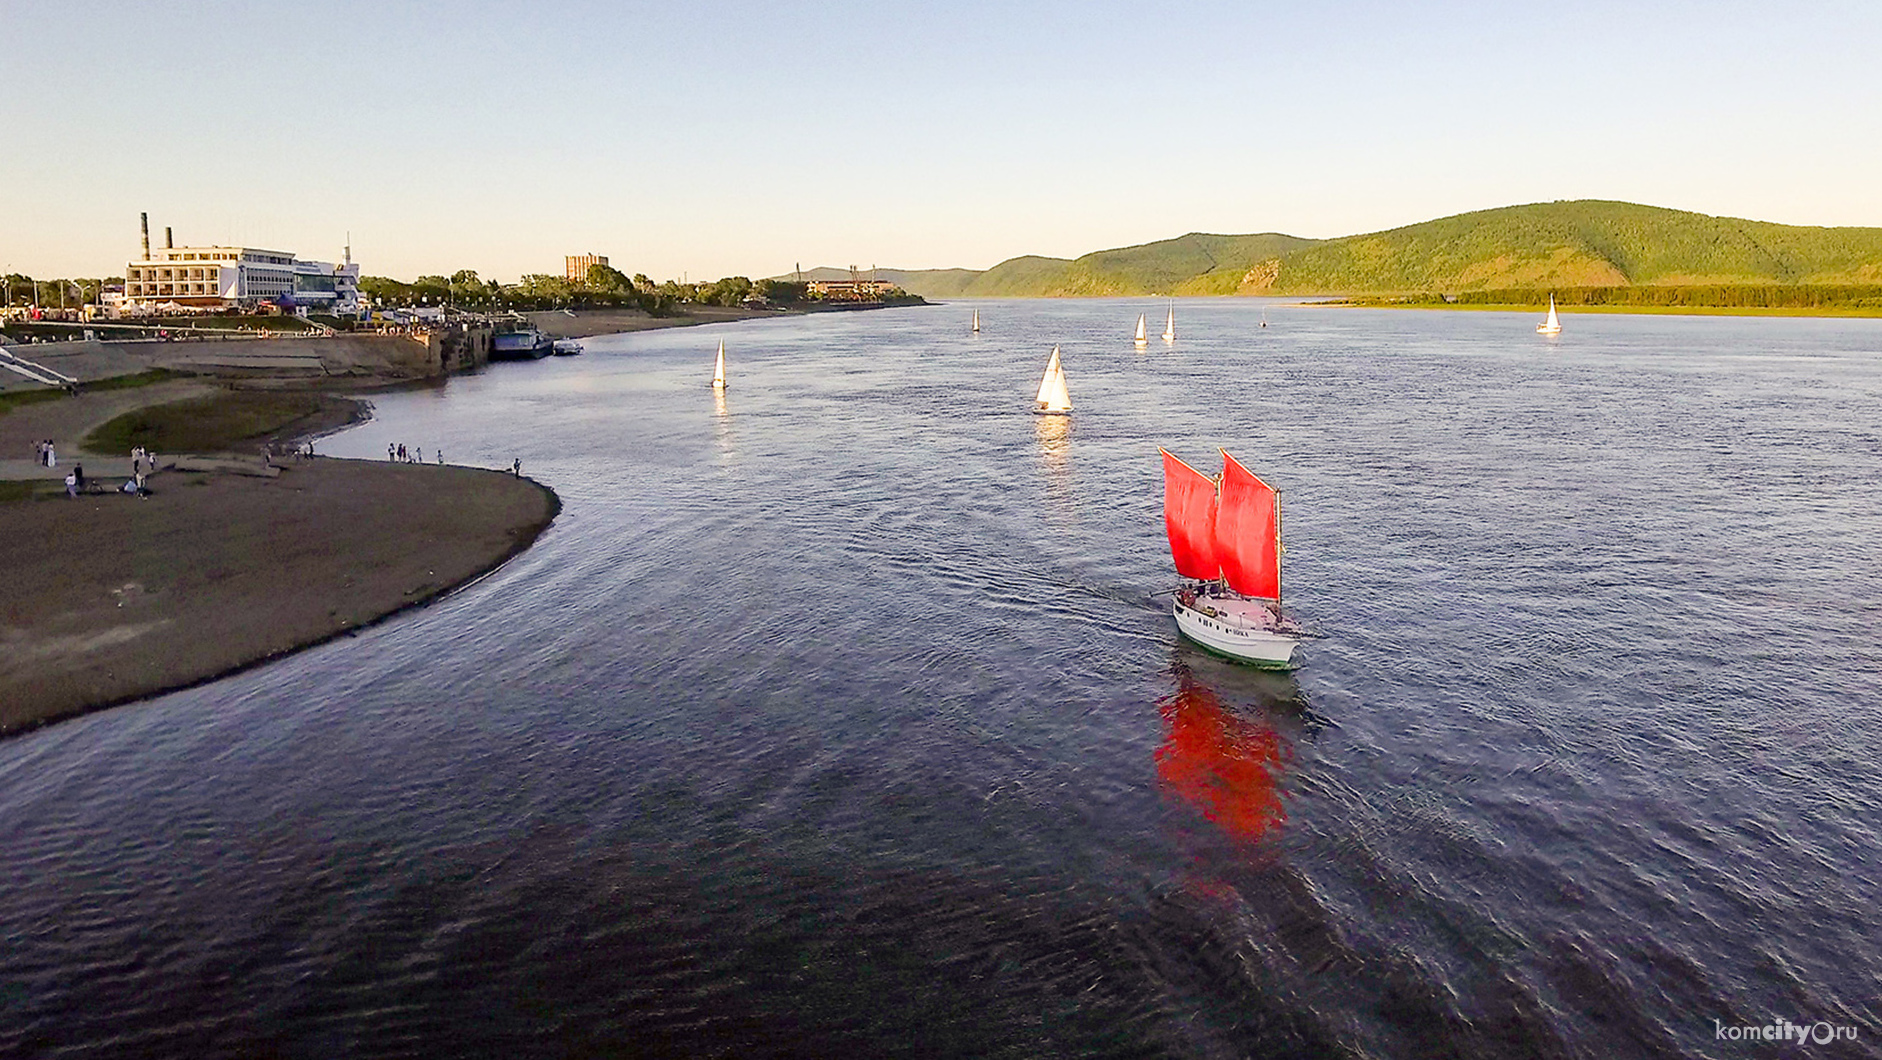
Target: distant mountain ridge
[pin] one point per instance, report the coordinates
(1580, 243)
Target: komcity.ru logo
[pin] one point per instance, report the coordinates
(1783, 1030)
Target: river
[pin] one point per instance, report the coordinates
(838, 716)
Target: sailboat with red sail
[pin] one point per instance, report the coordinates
(1225, 535)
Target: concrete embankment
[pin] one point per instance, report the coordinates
(362, 357)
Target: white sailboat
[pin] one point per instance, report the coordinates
(976, 321)
(1054, 399)
(718, 370)
(1169, 327)
(1225, 532)
(1553, 325)
(1141, 323)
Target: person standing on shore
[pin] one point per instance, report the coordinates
(52, 455)
(71, 485)
(78, 472)
(388, 450)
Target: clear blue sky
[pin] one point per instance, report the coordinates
(745, 137)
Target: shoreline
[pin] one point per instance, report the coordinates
(229, 564)
(1623, 310)
(216, 574)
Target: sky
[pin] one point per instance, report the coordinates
(699, 141)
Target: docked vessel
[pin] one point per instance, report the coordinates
(1553, 325)
(567, 347)
(1054, 399)
(521, 342)
(1225, 535)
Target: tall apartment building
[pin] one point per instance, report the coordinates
(578, 265)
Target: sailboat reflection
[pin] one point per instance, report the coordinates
(722, 422)
(1227, 764)
(1055, 449)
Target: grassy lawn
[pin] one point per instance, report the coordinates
(18, 491)
(15, 399)
(233, 419)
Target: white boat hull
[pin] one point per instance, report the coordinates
(1231, 635)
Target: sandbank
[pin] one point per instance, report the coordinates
(111, 598)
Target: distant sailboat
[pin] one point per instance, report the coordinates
(1169, 327)
(1553, 325)
(718, 370)
(1053, 398)
(976, 321)
(1141, 323)
(1264, 316)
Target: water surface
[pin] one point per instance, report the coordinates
(838, 715)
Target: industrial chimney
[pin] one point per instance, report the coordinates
(143, 221)
(168, 243)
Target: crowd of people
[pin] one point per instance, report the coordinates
(414, 455)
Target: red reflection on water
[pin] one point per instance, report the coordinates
(1225, 765)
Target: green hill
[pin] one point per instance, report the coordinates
(1584, 243)
(1588, 243)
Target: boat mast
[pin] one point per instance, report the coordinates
(1277, 551)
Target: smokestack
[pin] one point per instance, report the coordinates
(168, 243)
(143, 221)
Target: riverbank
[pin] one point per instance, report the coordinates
(587, 323)
(112, 598)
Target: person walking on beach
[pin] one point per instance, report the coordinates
(389, 450)
(71, 484)
(516, 467)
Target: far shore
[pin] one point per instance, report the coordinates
(587, 323)
(1630, 310)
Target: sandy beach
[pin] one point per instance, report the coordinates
(112, 598)
(585, 323)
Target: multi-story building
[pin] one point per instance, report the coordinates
(239, 277)
(577, 265)
(850, 290)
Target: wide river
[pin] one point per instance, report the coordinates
(842, 716)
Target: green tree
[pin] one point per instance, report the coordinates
(607, 278)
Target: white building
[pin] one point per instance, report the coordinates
(239, 277)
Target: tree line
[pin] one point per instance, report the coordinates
(1709, 296)
(602, 287)
(19, 289)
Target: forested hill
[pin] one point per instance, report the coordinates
(1585, 243)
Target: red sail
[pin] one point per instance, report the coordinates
(1189, 519)
(1247, 537)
